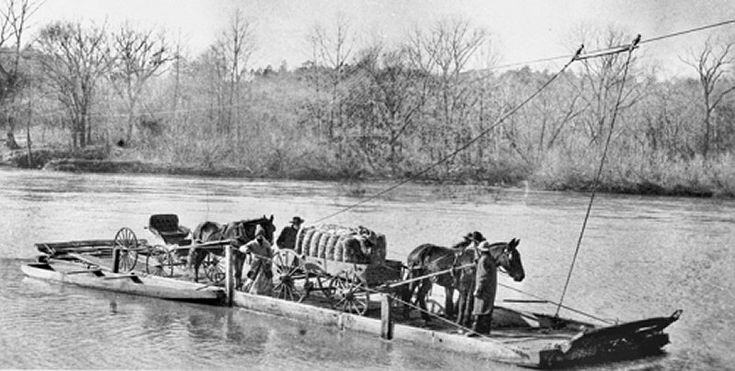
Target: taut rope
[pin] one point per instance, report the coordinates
(630, 49)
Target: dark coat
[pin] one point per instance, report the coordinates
(486, 283)
(287, 238)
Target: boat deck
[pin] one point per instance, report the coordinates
(518, 337)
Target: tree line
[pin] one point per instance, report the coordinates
(374, 110)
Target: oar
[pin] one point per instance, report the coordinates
(525, 301)
(544, 301)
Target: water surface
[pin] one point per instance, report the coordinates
(640, 257)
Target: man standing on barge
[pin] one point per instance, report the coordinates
(486, 278)
(260, 275)
(287, 238)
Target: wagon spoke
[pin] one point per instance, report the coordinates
(127, 244)
(286, 267)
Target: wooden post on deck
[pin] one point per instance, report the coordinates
(115, 260)
(386, 320)
(229, 275)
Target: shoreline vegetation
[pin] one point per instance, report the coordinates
(433, 106)
(698, 179)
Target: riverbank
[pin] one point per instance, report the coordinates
(696, 178)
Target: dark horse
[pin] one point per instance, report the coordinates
(505, 255)
(240, 232)
(428, 258)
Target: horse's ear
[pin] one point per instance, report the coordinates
(271, 218)
(515, 242)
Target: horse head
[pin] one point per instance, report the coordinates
(246, 228)
(508, 258)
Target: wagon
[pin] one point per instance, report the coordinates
(168, 250)
(346, 265)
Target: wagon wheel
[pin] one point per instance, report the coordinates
(287, 267)
(349, 292)
(212, 269)
(159, 262)
(127, 244)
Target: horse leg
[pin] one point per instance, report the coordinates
(238, 260)
(408, 290)
(468, 311)
(449, 302)
(461, 305)
(421, 298)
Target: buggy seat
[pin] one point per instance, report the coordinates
(167, 226)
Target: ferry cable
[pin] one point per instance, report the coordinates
(596, 183)
(497, 123)
(576, 56)
(653, 39)
(294, 268)
(508, 65)
(429, 313)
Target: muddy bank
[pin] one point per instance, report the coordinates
(123, 166)
(97, 160)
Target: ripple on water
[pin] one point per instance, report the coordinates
(641, 256)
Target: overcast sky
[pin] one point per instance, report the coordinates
(521, 30)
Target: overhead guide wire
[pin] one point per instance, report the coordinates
(497, 123)
(595, 185)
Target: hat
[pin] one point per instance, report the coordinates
(297, 220)
(475, 236)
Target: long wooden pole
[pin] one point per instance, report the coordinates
(115, 260)
(386, 319)
(229, 275)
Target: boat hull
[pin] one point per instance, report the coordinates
(151, 286)
(544, 347)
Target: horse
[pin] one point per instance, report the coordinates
(427, 259)
(240, 232)
(506, 257)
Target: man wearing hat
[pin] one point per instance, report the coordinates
(486, 278)
(465, 303)
(287, 238)
(260, 274)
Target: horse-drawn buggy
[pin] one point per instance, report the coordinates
(169, 251)
(344, 264)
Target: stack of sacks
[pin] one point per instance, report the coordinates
(351, 245)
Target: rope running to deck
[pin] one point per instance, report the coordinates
(500, 121)
(431, 314)
(595, 185)
(292, 268)
(497, 123)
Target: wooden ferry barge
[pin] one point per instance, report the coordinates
(518, 337)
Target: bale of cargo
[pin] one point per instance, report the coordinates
(333, 242)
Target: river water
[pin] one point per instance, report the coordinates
(640, 257)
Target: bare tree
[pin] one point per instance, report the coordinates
(13, 23)
(233, 49)
(396, 93)
(713, 67)
(74, 59)
(138, 57)
(334, 49)
(444, 52)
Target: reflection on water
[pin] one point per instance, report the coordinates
(641, 256)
